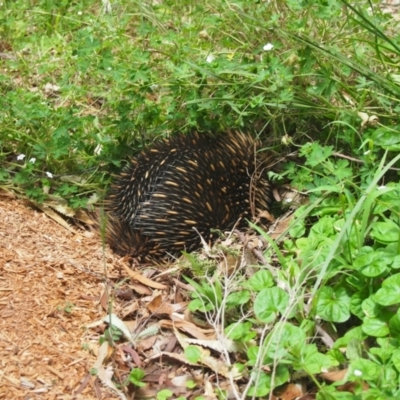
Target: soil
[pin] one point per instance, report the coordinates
(51, 282)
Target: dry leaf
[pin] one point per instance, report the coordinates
(140, 278)
(105, 374)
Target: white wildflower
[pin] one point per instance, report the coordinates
(79, 12)
(49, 174)
(49, 88)
(357, 372)
(210, 58)
(98, 149)
(32, 160)
(268, 47)
(20, 157)
(107, 9)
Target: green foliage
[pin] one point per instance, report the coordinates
(111, 335)
(164, 394)
(67, 308)
(88, 85)
(207, 296)
(193, 354)
(340, 265)
(135, 376)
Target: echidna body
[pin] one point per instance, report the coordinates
(182, 187)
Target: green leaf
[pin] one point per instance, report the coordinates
(389, 293)
(284, 339)
(270, 302)
(354, 334)
(386, 136)
(385, 349)
(298, 229)
(260, 280)
(135, 377)
(198, 305)
(252, 354)
(371, 308)
(356, 305)
(237, 298)
(375, 327)
(385, 232)
(332, 393)
(394, 325)
(315, 153)
(164, 394)
(263, 382)
(193, 354)
(396, 262)
(396, 359)
(371, 263)
(240, 331)
(262, 386)
(333, 304)
(313, 361)
(191, 384)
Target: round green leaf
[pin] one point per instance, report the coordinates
(193, 354)
(375, 327)
(385, 231)
(389, 293)
(238, 298)
(164, 394)
(371, 308)
(333, 304)
(269, 302)
(261, 280)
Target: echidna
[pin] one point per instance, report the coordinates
(182, 187)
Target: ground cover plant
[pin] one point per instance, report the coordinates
(85, 84)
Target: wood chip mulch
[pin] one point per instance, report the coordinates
(51, 281)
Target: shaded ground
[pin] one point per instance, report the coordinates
(50, 284)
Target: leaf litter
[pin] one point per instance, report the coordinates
(61, 292)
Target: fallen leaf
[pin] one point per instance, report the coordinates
(140, 278)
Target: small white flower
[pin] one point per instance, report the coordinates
(109, 68)
(357, 372)
(32, 160)
(268, 47)
(98, 149)
(20, 157)
(107, 9)
(49, 88)
(79, 12)
(49, 174)
(154, 87)
(210, 58)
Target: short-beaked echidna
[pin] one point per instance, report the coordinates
(182, 187)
